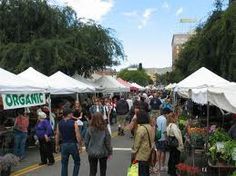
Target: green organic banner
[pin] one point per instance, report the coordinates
(13, 101)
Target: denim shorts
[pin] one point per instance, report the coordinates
(161, 146)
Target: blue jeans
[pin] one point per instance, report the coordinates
(19, 143)
(83, 129)
(68, 149)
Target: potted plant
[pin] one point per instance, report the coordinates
(219, 136)
(6, 162)
(228, 152)
(213, 153)
(197, 137)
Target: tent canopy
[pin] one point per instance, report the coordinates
(195, 85)
(35, 76)
(223, 96)
(110, 84)
(170, 86)
(87, 82)
(61, 83)
(127, 84)
(10, 82)
(138, 86)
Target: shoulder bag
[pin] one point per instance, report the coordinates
(172, 141)
(158, 133)
(152, 158)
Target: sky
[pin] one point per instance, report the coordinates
(144, 27)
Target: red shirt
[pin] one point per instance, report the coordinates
(23, 123)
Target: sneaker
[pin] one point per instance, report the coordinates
(36, 142)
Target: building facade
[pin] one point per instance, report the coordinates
(177, 44)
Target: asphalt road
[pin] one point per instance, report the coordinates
(117, 165)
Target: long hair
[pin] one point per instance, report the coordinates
(143, 117)
(171, 119)
(98, 122)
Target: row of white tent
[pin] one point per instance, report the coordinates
(204, 86)
(31, 80)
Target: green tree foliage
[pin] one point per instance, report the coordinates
(51, 38)
(138, 76)
(213, 46)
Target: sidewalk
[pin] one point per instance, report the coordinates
(32, 158)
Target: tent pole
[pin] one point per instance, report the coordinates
(50, 105)
(208, 109)
(77, 96)
(174, 100)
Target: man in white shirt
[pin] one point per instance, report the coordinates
(130, 102)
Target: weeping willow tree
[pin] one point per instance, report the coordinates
(50, 38)
(212, 46)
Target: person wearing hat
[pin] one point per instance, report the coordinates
(43, 131)
(68, 131)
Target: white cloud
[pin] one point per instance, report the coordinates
(90, 9)
(165, 5)
(131, 14)
(146, 16)
(179, 11)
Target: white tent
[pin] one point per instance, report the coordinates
(170, 86)
(138, 86)
(223, 96)
(61, 83)
(110, 85)
(88, 82)
(35, 76)
(10, 82)
(195, 85)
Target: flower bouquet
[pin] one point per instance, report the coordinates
(187, 170)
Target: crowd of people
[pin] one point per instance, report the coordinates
(154, 120)
(83, 124)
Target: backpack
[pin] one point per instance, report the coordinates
(158, 134)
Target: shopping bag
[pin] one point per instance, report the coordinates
(133, 170)
(109, 128)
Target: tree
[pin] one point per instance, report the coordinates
(218, 5)
(213, 46)
(137, 76)
(51, 38)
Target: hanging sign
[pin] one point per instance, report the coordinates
(13, 101)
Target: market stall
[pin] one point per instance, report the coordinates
(35, 76)
(195, 85)
(16, 92)
(205, 87)
(110, 85)
(141, 88)
(128, 85)
(223, 96)
(88, 82)
(61, 83)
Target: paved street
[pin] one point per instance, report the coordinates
(117, 166)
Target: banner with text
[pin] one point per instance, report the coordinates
(13, 101)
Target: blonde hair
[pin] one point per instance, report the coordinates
(171, 119)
